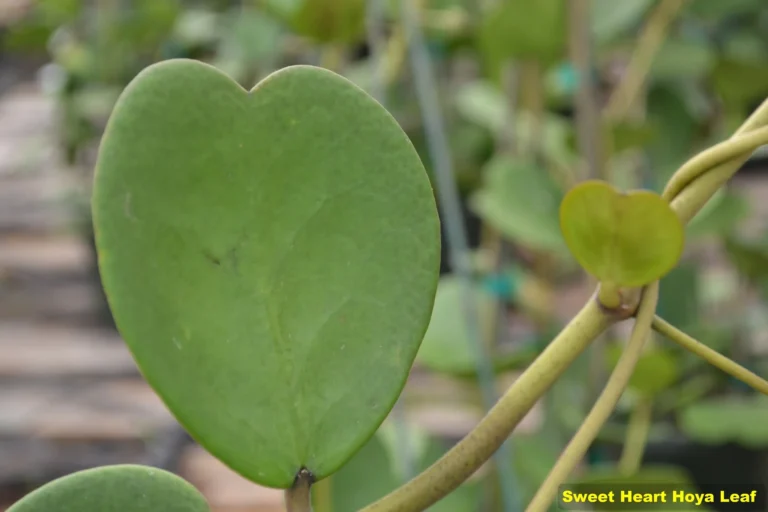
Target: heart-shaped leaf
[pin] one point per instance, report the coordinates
(124, 488)
(271, 259)
(626, 239)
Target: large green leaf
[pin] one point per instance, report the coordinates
(719, 421)
(271, 259)
(447, 347)
(123, 488)
(625, 239)
(521, 200)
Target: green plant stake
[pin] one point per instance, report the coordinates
(123, 488)
(625, 240)
(271, 287)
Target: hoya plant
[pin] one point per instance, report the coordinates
(271, 259)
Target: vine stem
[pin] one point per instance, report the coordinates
(648, 45)
(718, 154)
(713, 357)
(637, 436)
(471, 452)
(696, 194)
(298, 497)
(604, 405)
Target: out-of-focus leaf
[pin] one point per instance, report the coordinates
(656, 370)
(331, 21)
(751, 259)
(521, 200)
(677, 130)
(683, 59)
(719, 9)
(533, 457)
(197, 27)
(372, 472)
(719, 421)
(446, 347)
(679, 294)
(746, 46)
(610, 18)
(521, 29)
(629, 135)
(738, 82)
(366, 477)
(720, 215)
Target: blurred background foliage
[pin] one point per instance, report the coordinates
(531, 96)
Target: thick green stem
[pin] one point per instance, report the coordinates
(297, 498)
(604, 406)
(713, 357)
(637, 436)
(470, 453)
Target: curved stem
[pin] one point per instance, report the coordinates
(637, 436)
(297, 498)
(694, 196)
(713, 357)
(470, 453)
(648, 45)
(604, 406)
(716, 155)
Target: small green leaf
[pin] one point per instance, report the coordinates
(626, 239)
(270, 258)
(719, 421)
(520, 199)
(124, 488)
(446, 346)
(656, 370)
